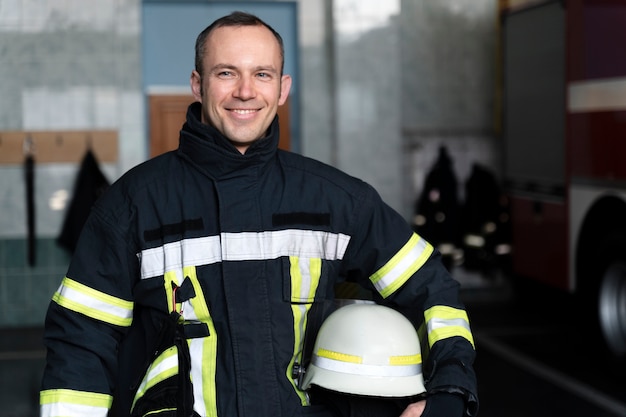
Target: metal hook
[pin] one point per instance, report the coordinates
(28, 147)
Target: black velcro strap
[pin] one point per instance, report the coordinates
(173, 229)
(185, 291)
(309, 219)
(196, 330)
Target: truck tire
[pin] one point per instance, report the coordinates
(602, 293)
(612, 307)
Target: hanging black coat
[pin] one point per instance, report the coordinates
(89, 186)
(438, 205)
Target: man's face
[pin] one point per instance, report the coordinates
(241, 88)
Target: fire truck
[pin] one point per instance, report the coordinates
(564, 152)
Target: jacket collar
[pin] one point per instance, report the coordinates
(206, 147)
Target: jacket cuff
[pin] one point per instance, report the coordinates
(443, 404)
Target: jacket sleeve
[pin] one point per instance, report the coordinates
(406, 273)
(85, 321)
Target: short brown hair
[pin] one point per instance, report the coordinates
(236, 18)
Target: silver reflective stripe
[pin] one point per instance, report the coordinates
(70, 403)
(242, 246)
(443, 322)
(606, 94)
(198, 355)
(437, 323)
(165, 366)
(366, 370)
(291, 242)
(409, 259)
(73, 410)
(173, 256)
(93, 303)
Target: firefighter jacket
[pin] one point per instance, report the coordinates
(200, 266)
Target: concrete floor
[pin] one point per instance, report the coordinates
(531, 360)
(533, 356)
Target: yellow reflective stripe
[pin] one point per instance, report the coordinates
(158, 412)
(242, 247)
(315, 271)
(305, 276)
(299, 312)
(405, 360)
(69, 403)
(165, 366)
(92, 303)
(443, 322)
(338, 356)
(402, 266)
(203, 352)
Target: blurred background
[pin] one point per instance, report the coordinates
(497, 128)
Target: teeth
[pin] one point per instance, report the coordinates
(241, 111)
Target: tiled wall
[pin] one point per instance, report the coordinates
(383, 84)
(25, 291)
(64, 65)
(368, 93)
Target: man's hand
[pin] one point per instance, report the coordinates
(414, 409)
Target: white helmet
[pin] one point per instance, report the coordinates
(367, 349)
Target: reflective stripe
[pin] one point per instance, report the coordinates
(173, 256)
(443, 322)
(203, 352)
(242, 247)
(604, 94)
(402, 266)
(92, 303)
(291, 242)
(305, 277)
(405, 360)
(68, 403)
(338, 356)
(357, 368)
(165, 366)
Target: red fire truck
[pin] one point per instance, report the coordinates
(564, 130)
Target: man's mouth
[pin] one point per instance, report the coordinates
(244, 111)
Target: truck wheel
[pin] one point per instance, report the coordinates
(612, 308)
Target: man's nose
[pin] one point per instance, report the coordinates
(245, 88)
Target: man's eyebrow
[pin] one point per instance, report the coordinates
(259, 68)
(266, 68)
(222, 67)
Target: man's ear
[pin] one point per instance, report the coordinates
(285, 86)
(196, 85)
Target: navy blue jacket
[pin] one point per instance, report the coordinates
(242, 247)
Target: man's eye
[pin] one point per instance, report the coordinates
(224, 74)
(263, 75)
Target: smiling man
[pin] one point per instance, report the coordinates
(199, 273)
(239, 81)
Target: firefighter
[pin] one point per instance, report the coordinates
(197, 272)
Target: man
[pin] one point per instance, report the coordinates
(197, 272)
